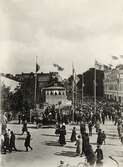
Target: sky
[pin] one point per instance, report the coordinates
(63, 32)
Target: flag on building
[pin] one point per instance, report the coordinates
(114, 57)
(37, 67)
(98, 65)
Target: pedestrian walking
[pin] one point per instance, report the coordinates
(73, 135)
(6, 143)
(90, 156)
(99, 154)
(97, 126)
(103, 137)
(62, 136)
(27, 141)
(119, 129)
(100, 138)
(57, 130)
(85, 142)
(79, 145)
(82, 128)
(12, 141)
(90, 125)
(3, 148)
(24, 128)
(103, 118)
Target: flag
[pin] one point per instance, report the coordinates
(59, 68)
(121, 56)
(110, 65)
(37, 67)
(55, 65)
(114, 57)
(106, 67)
(77, 79)
(120, 66)
(98, 65)
(73, 72)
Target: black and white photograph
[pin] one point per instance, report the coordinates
(61, 83)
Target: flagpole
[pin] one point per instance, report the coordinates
(82, 89)
(95, 88)
(76, 96)
(75, 89)
(35, 91)
(73, 98)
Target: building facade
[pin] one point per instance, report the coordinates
(113, 84)
(27, 81)
(55, 95)
(88, 88)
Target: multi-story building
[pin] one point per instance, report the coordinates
(88, 85)
(113, 84)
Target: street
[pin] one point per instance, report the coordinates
(47, 152)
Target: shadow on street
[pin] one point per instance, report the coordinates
(48, 135)
(66, 153)
(52, 143)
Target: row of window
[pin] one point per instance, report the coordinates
(114, 87)
(55, 93)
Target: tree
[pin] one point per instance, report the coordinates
(5, 100)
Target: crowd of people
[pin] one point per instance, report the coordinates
(86, 117)
(89, 120)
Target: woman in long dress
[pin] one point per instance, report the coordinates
(62, 136)
(73, 135)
